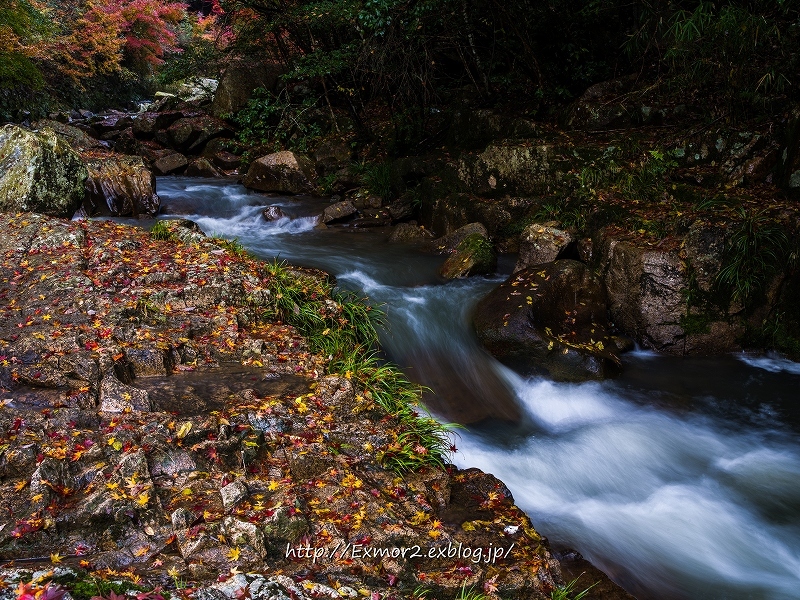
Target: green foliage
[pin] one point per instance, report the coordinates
(567, 592)
(90, 587)
(570, 213)
(377, 178)
(755, 250)
(470, 594)
(233, 246)
(277, 122)
(161, 231)
(741, 52)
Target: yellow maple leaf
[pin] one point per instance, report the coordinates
(234, 553)
(273, 486)
(143, 498)
(20, 485)
(55, 558)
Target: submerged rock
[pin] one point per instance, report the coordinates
(39, 172)
(549, 320)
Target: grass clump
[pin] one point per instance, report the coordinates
(755, 251)
(567, 592)
(233, 246)
(345, 328)
(161, 231)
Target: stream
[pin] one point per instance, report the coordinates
(680, 479)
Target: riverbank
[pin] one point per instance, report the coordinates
(108, 474)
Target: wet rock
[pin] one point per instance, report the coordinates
(106, 124)
(172, 463)
(402, 208)
(49, 479)
(190, 134)
(646, 292)
(284, 525)
(540, 244)
(283, 173)
(273, 213)
(117, 397)
(450, 242)
(475, 255)
(170, 163)
(147, 124)
(309, 464)
(120, 186)
(181, 519)
(551, 320)
(340, 210)
(201, 167)
(243, 533)
(79, 139)
(39, 172)
(405, 232)
(227, 161)
(233, 493)
(146, 361)
(372, 217)
(513, 168)
(185, 230)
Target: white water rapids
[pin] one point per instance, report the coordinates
(681, 479)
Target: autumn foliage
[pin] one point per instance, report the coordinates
(64, 44)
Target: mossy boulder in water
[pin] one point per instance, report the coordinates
(39, 172)
(551, 320)
(475, 255)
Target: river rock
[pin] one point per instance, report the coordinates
(549, 320)
(120, 186)
(147, 123)
(39, 172)
(273, 213)
(540, 244)
(646, 291)
(475, 255)
(170, 163)
(78, 138)
(117, 397)
(190, 134)
(405, 232)
(338, 211)
(601, 106)
(283, 173)
(201, 167)
(450, 242)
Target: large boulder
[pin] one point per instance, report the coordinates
(39, 172)
(120, 186)
(475, 255)
(647, 289)
(283, 173)
(549, 320)
(450, 242)
(190, 134)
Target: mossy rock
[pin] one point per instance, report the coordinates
(39, 172)
(475, 255)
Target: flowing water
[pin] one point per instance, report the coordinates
(680, 479)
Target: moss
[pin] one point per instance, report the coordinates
(479, 247)
(90, 587)
(695, 324)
